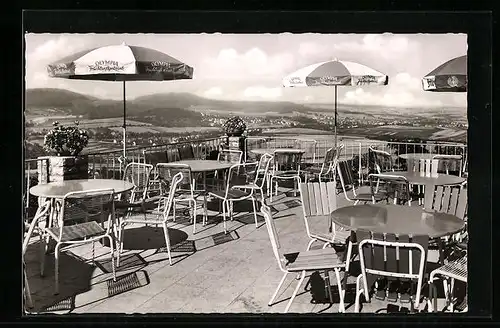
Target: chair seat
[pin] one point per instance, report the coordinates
(368, 197)
(232, 194)
(455, 269)
(340, 236)
(76, 231)
(285, 174)
(318, 259)
(312, 169)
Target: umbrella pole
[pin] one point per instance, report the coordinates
(124, 121)
(335, 129)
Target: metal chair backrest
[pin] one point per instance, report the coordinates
(86, 206)
(394, 256)
(185, 152)
(42, 211)
(287, 160)
(450, 163)
(446, 199)
(346, 174)
(382, 160)
(138, 174)
(273, 235)
(230, 156)
(398, 187)
(428, 166)
(167, 171)
(262, 169)
(233, 175)
(177, 178)
(318, 198)
(309, 145)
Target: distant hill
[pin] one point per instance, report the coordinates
(92, 107)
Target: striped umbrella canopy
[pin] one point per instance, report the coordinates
(448, 77)
(120, 63)
(335, 73)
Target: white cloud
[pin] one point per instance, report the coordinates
(213, 92)
(231, 65)
(403, 90)
(47, 52)
(263, 92)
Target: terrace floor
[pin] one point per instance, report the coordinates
(211, 272)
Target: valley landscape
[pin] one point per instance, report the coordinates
(169, 117)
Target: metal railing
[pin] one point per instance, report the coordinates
(31, 167)
(109, 164)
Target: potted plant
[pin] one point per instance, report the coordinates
(64, 144)
(234, 127)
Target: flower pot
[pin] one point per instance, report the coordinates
(60, 168)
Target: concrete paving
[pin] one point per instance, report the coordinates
(211, 272)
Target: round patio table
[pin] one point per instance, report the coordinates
(55, 191)
(60, 188)
(417, 178)
(205, 165)
(262, 151)
(397, 219)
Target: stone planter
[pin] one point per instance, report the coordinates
(62, 168)
(238, 143)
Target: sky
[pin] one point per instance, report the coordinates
(252, 66)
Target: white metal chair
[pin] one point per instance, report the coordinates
(395, 186)
(165, 205)
(287, 166)
(186, 192)
(42, 212)
(454, 270)
(260, 176)
(325, 259)
(326, 171)
(234, 193)
(449, 161)
(390, 257)
(80, 222)
(346, 176)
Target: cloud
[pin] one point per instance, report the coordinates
(263, 92)
(213, 92)
(403, 90)
(231, 65)
(50, 51)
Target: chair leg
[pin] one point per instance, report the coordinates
(167, 241)
(42, 255)
(348, 256)
(277, 289)
(341, 292)
(254, 212)
(56, 272)
(205, 206)
(121, 236)
(224, 202)
(27, 291)
(112, 253)
(359, 292)
(194, 215)
(295, 292)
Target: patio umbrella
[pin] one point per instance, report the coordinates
(448, 77)
(335, 73)
(120, 63)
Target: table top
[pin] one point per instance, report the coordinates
(205, 165)
(417, 156)
(60, 188)
(397, 219)
(262, 151)
(439, 180)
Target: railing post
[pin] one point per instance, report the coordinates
(359, 170)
